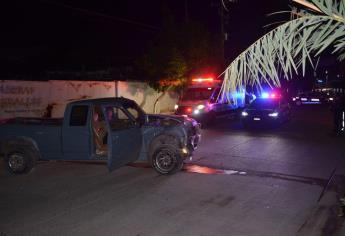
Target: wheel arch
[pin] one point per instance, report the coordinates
(166, 138)
(7, 144)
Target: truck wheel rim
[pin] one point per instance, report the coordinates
(166, 160)
(16, 162)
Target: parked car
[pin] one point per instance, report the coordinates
(311, 98)
(115, 130)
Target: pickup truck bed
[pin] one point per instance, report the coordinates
(34, 121)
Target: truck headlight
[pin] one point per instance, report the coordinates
(176, 107)
(244, 113)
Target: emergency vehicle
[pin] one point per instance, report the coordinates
(268, 108)
(202, 102)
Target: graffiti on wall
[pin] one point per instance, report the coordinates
(16, 99)
(49, 98)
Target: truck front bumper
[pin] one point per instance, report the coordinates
(194, 137)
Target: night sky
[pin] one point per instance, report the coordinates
(41, 35)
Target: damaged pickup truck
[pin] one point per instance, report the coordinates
(115, 130)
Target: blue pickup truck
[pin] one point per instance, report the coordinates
(115, 130)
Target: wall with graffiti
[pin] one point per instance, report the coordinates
(49, 98)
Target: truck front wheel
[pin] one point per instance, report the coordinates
(19, 160)
(166, 159)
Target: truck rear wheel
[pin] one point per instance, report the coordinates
(19, 160)
(166, 159)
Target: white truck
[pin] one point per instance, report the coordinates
(202, 102)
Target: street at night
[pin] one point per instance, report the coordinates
(172, 118)
(240, 182)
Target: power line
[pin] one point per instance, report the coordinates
(94, 13)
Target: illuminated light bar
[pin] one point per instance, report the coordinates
(268, 95)
(200, 80)
(315, 100)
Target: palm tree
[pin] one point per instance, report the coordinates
(285, 49)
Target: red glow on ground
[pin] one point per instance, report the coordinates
(202, 170)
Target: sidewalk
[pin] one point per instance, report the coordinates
(325, 218)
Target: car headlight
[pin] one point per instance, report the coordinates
(244, 113)
(273, 114)
(176, 106)
(201, 106)
(196, 111)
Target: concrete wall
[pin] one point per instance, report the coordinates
(31, 98)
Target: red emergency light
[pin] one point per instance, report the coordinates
(201, 80)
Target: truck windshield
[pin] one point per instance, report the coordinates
(193, 94)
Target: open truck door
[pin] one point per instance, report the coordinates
(124, 137)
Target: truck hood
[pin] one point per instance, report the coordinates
(189, 124)
(165, 120)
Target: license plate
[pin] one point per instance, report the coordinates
(257, 118)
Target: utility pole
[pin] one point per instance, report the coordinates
(222, 5)
(186, 16)
(222, 33)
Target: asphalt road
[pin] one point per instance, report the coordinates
(240, 182)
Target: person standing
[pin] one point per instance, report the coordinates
(342, 118)
(338, 113)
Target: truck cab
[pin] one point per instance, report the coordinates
(203, 102)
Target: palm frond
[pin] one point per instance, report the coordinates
(288, 47)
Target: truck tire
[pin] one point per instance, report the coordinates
(166, 159)
(19, 160)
